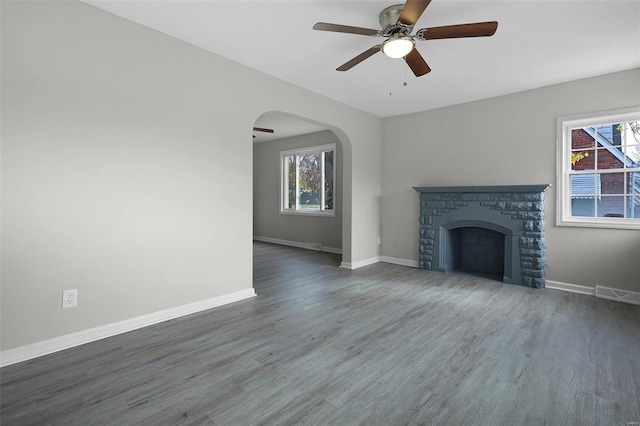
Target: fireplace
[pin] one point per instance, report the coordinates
(496, 231)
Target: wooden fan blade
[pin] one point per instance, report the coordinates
(361, 57)
(479, 29)
(412, 11)
(323, 26)
(262, 129)
(417, 63)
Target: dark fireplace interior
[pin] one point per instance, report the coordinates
(477, 251)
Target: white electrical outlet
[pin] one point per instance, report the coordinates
(69, 298)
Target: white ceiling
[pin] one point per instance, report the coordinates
(538, 43)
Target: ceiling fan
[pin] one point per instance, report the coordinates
(397, 22)
(262, 129)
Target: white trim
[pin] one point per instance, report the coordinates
(284, 190)
(305, 245)
(601, 292)
(360, 263)
(398, 261)
(564, 125)
(598, 222)
(618, 295)
(571, 288)
(331, 250)
(310, 150)
(45, 347)
(317, 213)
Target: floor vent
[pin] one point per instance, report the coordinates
(618, 295)
(313, 246)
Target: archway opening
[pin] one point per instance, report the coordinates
(310, 229)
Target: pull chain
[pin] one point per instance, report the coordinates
(404, 83)
(389, 80)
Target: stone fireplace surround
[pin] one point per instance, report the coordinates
(516, 211)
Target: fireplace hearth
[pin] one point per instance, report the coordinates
(495, 230)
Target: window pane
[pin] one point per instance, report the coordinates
(607, 134)
(583, 190)
(632, 153)
(630, 133)
(612, 183)
(328, 180)
(633, 183)
(633, 189)
(583, 159)
(291, 181)
(580, 139)
(610, 158)
(584, 185)
(309, 185)
(610, 206)
(583, 206)
(633, 207)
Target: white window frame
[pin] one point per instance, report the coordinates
(284, 193)
(563, 206)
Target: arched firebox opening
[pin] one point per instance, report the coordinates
(477, 251)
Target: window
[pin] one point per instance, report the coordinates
(308, 181)
(599, 169)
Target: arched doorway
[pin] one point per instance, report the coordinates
(313, 231)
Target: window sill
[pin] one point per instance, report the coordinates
(315, 213)
(609, 223)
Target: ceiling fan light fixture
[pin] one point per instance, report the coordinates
(398, 47)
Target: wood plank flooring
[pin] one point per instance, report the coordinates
(321, 345)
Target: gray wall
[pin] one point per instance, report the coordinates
(267, 220)
(127, 169)
(507, 140)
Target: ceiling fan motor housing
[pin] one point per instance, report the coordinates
(389, 21)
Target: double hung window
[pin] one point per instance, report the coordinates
(308, 181)
(599, 169)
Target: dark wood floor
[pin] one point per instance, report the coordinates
(381, 345)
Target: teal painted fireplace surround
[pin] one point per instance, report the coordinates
(515, 211)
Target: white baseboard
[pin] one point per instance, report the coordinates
(45, 347)
(360, 263)
(571, 288)
(331, 250)
(398, 261)
(305, 245)
(618, 295)
(601, 292)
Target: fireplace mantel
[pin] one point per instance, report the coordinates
(515, 211)
(483, 188)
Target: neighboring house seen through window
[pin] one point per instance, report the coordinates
(308, 181)
(599, 169)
